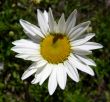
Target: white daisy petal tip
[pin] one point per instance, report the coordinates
(23, 78)
(13, 42)
(77, 80)
(100, 45)
(46, 15)
(75, 11)
(88, 22)
(38, 10)
(85, 24)
(50, 9)
(22, 21)
(92, 73)
(12, 49)
(34, 81)
(91, 35)
(31, 70)
(42, 21)
(51, 92)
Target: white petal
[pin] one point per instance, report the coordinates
(51, 21)
(61, 24)
(24, 56)
(93, 45)
(83, 40)
(31, 70)
(71, 71)
(29, 57)
(26, 44)
(30, 28)
(81, 52)
(38, 75)
(41, 62)
(36, 79)
(42, 22)
(28, 50)
(80, 66)
(70, 23)
(46, 15)
(86, 60)
(52, 84)
(35, 38)
(45, 73)
(89, 46)
(78, 30)
(61, 76)
(56, 29)
(25, 50)
(39, 70)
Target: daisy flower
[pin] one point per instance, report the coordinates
(56, 49)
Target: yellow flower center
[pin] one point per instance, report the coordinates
(55, 48)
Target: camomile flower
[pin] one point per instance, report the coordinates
(56, 49)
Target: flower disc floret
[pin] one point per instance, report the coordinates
(55, 48)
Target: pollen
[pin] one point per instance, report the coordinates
(55, 48)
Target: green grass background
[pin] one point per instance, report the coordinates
(89, 89)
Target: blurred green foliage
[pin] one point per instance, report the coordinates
(89, 89)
